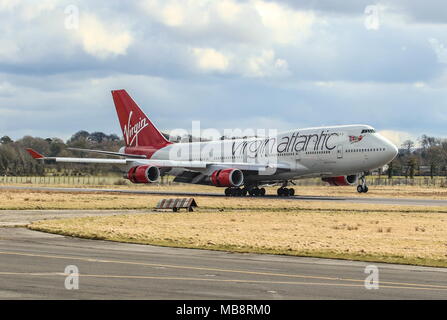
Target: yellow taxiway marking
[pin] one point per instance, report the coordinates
(407, 285)
(214, 280)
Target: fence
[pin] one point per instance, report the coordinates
(70, 180)
(73, 180)
(385, 181)
(111, 180)
(417, 181)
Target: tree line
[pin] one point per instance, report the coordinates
(15, 161)
(428, 159)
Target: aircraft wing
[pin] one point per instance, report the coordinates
(135, 161)
(39, 156)
(191, 165)
(137, 156)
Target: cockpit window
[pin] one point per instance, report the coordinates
(368, 131)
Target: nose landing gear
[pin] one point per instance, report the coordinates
(362, 188)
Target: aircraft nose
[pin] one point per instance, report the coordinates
(392, 150)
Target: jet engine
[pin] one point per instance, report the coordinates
(143, 174)
(342, 180)
(227, 178)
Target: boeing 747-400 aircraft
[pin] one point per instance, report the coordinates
(340, 155)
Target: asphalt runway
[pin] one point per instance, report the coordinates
(33, 265)
(371, 200)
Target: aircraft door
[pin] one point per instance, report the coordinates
(340, 151)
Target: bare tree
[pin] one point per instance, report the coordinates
(408, 145)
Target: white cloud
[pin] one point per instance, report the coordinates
(8, 4)
(257, 20)
(209, 59)
(228, 10)
(27, 29)
(398, 137)
(102, 40)
(420, 85)
(266, 65)
(28, 9)
(33, 9)
(440, 50)
(32, 30)
(228, 36)
(175, 13)
(263, 64)
(286, 25)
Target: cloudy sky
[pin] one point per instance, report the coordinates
(228, 63)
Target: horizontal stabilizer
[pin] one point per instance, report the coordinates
(34, 153)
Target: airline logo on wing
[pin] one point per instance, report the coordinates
(131, 131)
(354, 139)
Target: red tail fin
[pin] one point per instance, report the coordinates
(138, 130)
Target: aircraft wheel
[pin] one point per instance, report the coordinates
(228, 192)
(362, 189)
(253, 192)
(262, 192)
(283, 192)
(291, 192)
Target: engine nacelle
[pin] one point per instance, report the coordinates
(227, 178)
(143, 174)
(342, 180)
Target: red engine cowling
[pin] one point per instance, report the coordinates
(227, 178)
(143, 174)
(342, 180)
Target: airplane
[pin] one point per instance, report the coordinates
(339, 155)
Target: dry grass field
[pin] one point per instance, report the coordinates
(418, 238)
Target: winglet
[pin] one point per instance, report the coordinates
(34, 154)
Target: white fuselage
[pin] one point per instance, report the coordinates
(311, 152)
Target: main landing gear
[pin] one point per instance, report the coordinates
(362, 188)
(242, 192)
(286, 192)
(256, 192)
